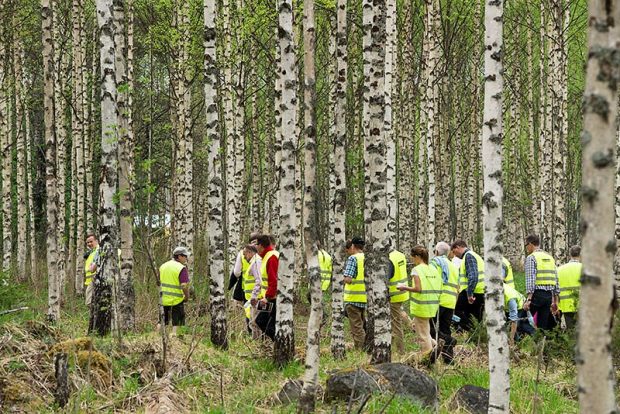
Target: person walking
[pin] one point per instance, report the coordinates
(251, 282)
(470, 302)
(174, 287)
(355, 290)
(266, 319)
(397, 272)
(447, 301)
(541, 284)
(90, 266)
(239, 269)
(424, 298)
(507, 272)
(568, 279)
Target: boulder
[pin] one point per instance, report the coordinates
(472, 399)
(405, 381)
(291, 392)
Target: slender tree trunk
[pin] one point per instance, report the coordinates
(595, 374)
(287, 74)
(34, 268)
(492, 131)
(388, 124)
(546, 155)
(20, 108)
(217, 242)
(5, 148)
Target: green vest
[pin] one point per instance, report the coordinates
(463, 274)
(511, 293)
(450, 289)
(509, 278)
(355, 292)
(248, 279)
(399, 261)
(545, 268)
(88, 278)
(568, 278)
(263, 267)
(325, 264)
(425, 304)
(171, 290)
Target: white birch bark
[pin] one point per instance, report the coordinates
(20, 108)
(492, 132)
(388, 122)
(34, 268)
(546, 139)
(376, 211)
(432, 33)
(217, 242)
(595, 376)
(5, 149)
(285, 339)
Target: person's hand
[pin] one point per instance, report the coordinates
(401, 287)
(526, 305)
(471, 299)
(348, 280)
(263, 301)
(253, 301)
(554, 308)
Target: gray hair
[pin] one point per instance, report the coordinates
(442, 248)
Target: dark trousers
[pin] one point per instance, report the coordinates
(266, 320)
(523, 326)
(444, 317)
(541, 307)
(467, 311)
(571, 320)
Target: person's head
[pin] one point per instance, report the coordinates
(249, 251)
(263, 242)
(180, 254)
(458, 248)
(91, 241)
(442, 248)
(532, 242)
(575, 252)
(253, 237)
(419, 254)
(355, 245)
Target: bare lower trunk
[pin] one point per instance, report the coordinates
(22, 214)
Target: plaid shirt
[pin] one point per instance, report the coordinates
(350, 270)
(530, 277)
(471, 270)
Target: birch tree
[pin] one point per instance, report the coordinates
(287, 74)
(388, 124)
(217, 246)
(595, 374)
(5, 146)
(20, 118)
(492, 135)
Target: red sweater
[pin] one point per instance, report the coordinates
(272, 274)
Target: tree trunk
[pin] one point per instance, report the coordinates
(546, 155)
(596, 300)
(285, 339)
(388, 124)
(22, 176)
(492, 135)
(5, 150)
(217, 241)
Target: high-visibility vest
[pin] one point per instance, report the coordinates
(325, 265)
(399, 261)
(511, 293)
(449, 289)
(568, 278)
(263, 267)
(355, 292)
(248, 280)
(88, 278)
(425, 304)
(171, 290)
(463, 274)
(509, 278)
(545, 268)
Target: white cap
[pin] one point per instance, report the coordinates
(180, 251)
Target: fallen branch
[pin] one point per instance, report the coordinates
(6, 312)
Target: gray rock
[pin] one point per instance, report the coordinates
(340, 385)
(474, 400)
(409, 382)
(291, 392)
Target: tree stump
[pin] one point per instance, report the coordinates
(62, 384)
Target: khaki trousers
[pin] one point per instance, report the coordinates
(423, 329)
(398, 327)
(88, 294)
(356, 320)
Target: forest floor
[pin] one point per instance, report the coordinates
(106, 375)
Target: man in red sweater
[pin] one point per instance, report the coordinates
(266, 320)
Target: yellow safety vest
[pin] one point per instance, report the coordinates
(568, 278)
(248, 280)
(325, 264)
(425, 304)
(450, 289)
(509, 278)
(355, 292)
(171, 290)
(511, 293)
(545, 268)
(399, 261)
(463, 274)
(88, 278)
(263, 267)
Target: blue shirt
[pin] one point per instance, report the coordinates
(471, 271)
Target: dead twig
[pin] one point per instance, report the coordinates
(6, 312)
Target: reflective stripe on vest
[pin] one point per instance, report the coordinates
(171, 290)
(355, 292)
(88, 277)
(450, 289)
(263, 267)
(509, 278)
(325, 265)
(568, 279)
(545, 268)
(479, 288)
(425, 304)
(399, 262)
(512, 293)
(248, 280)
